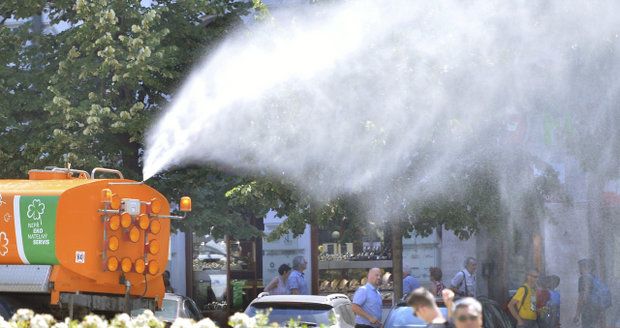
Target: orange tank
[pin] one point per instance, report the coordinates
(98, 236)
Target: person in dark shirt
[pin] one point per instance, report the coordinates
(167, 284)
(589, 315)
(437, 285)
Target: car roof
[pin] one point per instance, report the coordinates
(333, 299)
(172, 296)
(402, 316)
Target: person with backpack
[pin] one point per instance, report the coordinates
(522, 306)
(464, 282)
(594, 297)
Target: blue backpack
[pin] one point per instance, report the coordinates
(600, 297)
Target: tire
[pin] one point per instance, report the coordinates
(6, 308)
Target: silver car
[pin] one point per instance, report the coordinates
(309, 310)
(175, 306)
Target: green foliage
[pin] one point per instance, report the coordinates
(86, 94)
(469, 199)
(212, 212)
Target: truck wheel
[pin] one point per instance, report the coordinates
(6, 308)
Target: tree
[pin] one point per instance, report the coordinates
(586, 126)
(98, 84)
(85, 93)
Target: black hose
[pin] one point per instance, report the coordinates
(146, 285)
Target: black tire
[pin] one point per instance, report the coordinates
(7, 309)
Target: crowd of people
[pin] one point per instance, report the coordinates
(536, 303)
(290, 281)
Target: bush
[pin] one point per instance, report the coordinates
(25, 318)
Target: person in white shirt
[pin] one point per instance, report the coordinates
(279, 284)
(464, 282)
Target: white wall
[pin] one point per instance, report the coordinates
(453, 253)
(176, 262)
(284, 250)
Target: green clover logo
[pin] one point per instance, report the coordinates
(36, 209)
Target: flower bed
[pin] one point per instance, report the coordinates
(25, 318)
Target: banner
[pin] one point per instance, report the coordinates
(35, 228)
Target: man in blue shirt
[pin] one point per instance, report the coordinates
(409, 282)
(296, 281)
(367, 302)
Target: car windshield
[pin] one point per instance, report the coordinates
(168, 310)
(309, 314)
(402, 316)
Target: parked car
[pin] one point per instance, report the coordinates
(175, 306)
(401, 315)
(310, 310)
(494, 315)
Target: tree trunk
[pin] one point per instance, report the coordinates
(596, 229)
(397, 261)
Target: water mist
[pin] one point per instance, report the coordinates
(344, 98)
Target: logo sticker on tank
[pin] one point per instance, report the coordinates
(4, 244)
(35, 228)
(80, 257)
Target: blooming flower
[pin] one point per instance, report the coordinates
(183, 323)
(22, 315)
(241, 320)
(205, 323)
(94, 321)
(122, 320)
(42, 321)
(64, 324)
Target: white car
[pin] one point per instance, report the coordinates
(311, 310)
(175, 306)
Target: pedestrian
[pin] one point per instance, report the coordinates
(279, 284)
(464, 282)
(522, 306)
(467, 313)
(437, 285)
(543, 304)
(367, 302)
(409, 282)
(555, 300)
(425, 308)
(296, 281)
(167, 285)
(593, 299)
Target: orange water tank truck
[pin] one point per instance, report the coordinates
(70, 241)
